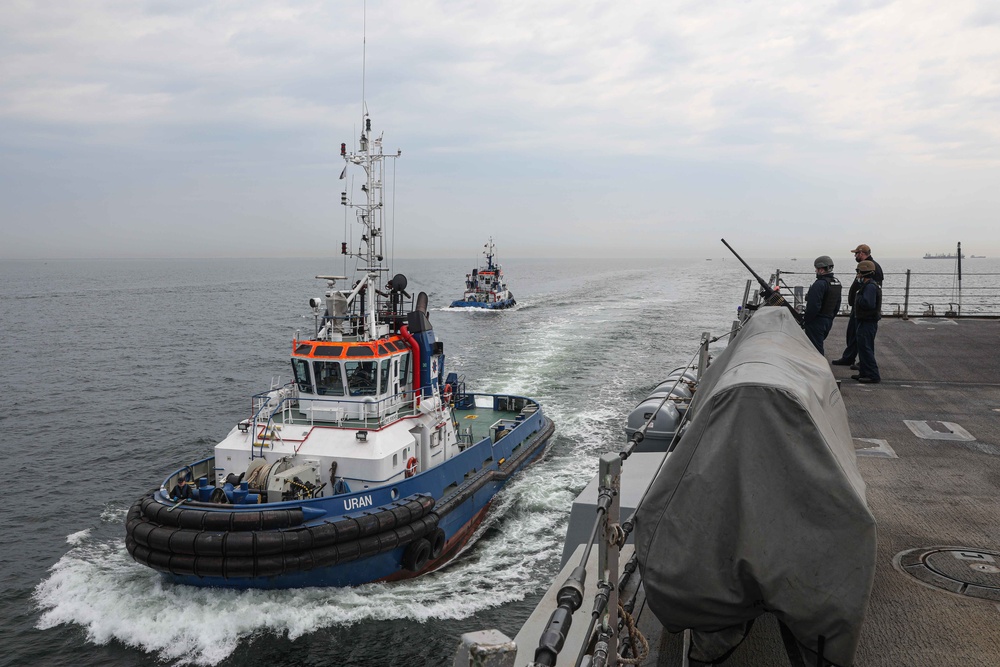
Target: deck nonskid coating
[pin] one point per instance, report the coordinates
(936, 493)
(480, 419)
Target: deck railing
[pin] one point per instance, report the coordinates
(271, 410)
(911, 294)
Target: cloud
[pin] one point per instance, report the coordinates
(130, 99)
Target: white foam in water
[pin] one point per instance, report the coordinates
(113, 514)
(473, 310)
(77, 537)
(98, 587)
(581, 373)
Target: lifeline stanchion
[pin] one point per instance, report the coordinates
(570, 596)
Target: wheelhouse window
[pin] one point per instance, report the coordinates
(329, 381)
(404, 369)
(361, 378)
(384, 367)
(300, 368)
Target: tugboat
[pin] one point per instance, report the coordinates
(370, 465)
(486, 287)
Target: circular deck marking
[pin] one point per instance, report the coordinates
(971, 572)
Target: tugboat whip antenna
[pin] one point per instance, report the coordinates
(364, 56)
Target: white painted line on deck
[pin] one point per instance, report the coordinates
(874, 447)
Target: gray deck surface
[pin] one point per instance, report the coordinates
(936, 493)
(933, 493)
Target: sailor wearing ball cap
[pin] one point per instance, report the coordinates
(862, 253)
(868, 311)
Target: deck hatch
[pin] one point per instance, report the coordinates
(972, 572)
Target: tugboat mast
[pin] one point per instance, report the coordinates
(489, 254)
(369, 211)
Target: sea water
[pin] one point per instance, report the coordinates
(116, 372)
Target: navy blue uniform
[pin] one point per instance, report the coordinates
(852, 324)
(822, 304)
(868, 311)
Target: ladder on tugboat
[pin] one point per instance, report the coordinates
(263, 428)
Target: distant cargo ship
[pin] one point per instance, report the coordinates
(942, 256)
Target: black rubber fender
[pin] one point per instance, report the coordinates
(416, 555)
(212, 517)
(234, 566)
(210, 544)
(238, 568)
(438, 541)
(240, 544)
(244, 543)
(369, 545)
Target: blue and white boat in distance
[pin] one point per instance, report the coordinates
(486, 287)
(371, 465)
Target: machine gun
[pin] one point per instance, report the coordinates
(771, 295)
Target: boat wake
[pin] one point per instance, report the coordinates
(476, 311)
(512, 557)
(98, 587)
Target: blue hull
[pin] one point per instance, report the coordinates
(498, 305)
(459, 493)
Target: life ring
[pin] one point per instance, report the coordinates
(411, 466)
(447, 393)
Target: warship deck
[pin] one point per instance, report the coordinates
(928, 442)
(934, 607)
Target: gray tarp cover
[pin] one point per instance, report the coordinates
(761, 507)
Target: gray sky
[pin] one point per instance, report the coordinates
(192, 128)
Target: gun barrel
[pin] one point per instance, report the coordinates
(760, 280)
(771, 295)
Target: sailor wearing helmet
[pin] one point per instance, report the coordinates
(822, 302)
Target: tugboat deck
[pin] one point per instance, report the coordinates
(936, 492)
(923, 493)
(480, 420)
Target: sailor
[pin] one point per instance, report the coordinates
(861, 254)
(868, 311)
(822, 302)
(184, 489)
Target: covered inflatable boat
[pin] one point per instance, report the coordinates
(760, 507)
